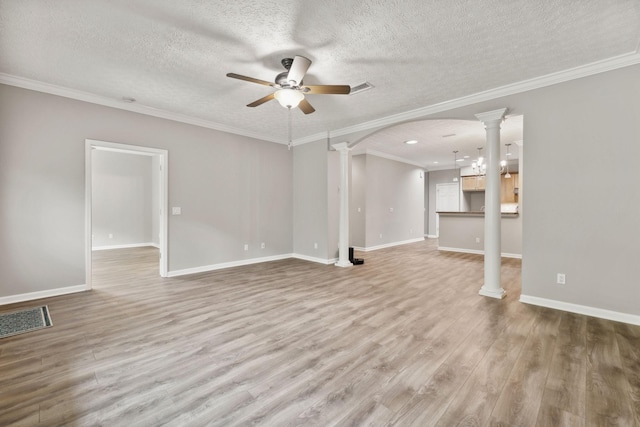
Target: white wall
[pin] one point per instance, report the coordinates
(233, 190)
(122, 199)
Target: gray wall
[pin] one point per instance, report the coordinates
(439, 177)
(426, 202)
(333, 203)
(310, 201)
(460, 232)
(233, 190)
(358, 201)
(155, 200)
(581, 223)
(580, 210)
(384, 185)
(122, 198)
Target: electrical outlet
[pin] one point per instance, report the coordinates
(391, 210)
(262, 245)
(110, 236)
(477, 240)
(246, 247)
(315, 246)
(381, 235)
(561, 279)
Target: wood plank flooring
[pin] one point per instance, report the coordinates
(403, 340)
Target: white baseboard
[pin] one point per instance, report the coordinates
(477, 252)
(431, 236)
(131, 245)
(582, 309)
(42, 294)
(240, 263)
(315, 259)
(390, 245)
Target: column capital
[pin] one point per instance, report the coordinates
(341, 146)
(492, 116)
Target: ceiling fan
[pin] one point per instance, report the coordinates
(291, 90)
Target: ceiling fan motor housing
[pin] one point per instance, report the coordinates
(282, 78)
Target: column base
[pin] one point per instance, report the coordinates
(343, 264)
(493, 293)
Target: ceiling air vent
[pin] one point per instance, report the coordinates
(360, 88)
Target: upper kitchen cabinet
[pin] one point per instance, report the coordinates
(473, 183)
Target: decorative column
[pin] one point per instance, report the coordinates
(343, 244)
(492, 215)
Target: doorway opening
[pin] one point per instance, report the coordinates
(447, 200)
(121, 197)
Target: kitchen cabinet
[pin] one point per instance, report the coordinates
(508, 186)
(473, 183)
(509, 189)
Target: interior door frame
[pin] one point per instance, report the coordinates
(90, 145)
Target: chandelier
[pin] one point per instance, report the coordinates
(504, 163)
(479, 166)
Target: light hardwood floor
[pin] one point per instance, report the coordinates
(403, 340)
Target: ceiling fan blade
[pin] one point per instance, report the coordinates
(261, 100)
(298, 69)
(327, 89)
(249, 79)
(306, 107)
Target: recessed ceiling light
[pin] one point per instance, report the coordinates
(449, 135)
(411, 141)
(460, 160)
(466, 157)
(128, 99)
(436, 162)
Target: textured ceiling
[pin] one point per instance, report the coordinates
(173, 55)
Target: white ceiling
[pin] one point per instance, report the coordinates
(173, 56)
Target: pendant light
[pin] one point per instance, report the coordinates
(506, 162)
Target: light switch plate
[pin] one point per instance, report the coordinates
(176, 210)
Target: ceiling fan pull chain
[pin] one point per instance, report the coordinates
(289, 145)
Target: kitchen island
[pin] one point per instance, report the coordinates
(464, 232)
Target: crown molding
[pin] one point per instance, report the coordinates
(609, 64)
(598, 67)
(391, 157)
(79, 95)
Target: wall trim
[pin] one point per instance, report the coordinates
(222, 265)
(582, 309)
(477, 252)
(390, 245)
(389, 157)
(11, 299)
(597, 67)
(315, 259)
(79, 95)
(131, 245)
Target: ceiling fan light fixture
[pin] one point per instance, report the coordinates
(289, 98)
